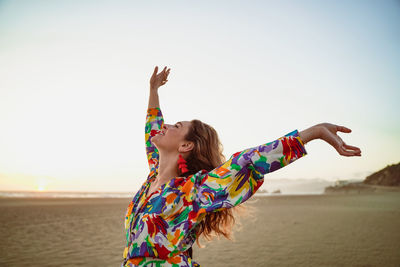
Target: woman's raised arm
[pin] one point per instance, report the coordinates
(154, 117)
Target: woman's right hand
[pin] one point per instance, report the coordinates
(159, 79)
(328, 133)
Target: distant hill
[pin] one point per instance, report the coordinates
(389, 176)
(387, 179)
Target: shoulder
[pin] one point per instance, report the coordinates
(189, 183)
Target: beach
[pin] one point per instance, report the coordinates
(303, 230)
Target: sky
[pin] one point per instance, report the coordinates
(74, 84)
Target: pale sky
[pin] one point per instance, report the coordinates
(74, 82)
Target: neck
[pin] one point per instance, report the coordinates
(167, 168)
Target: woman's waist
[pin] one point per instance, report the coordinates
(186, 252)
(181, 258)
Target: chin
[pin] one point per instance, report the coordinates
(155, 139)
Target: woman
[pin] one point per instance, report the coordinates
(191, 189)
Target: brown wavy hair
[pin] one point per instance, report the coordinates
(207, 154)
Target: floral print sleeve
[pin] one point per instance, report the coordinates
(154, 123)
(236, 180)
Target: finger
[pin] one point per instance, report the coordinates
(349, 148)
(348, 153)
(344, 152)
(352, 148)
(343, 129)
(353, 153)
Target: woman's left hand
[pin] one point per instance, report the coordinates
(159, 79)
(328, 134)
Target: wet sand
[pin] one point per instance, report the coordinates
(308, 230)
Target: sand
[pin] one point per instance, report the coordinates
(307, 230)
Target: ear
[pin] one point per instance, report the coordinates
(186, 147)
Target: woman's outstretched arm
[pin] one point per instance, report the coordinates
(236, 180)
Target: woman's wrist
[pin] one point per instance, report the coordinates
(154, 101)
(314, 132)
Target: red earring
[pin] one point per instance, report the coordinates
(182, 164)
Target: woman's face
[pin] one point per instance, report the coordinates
(171, 137)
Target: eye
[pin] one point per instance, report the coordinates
(176, 125)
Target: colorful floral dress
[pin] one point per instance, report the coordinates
(160, 226)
